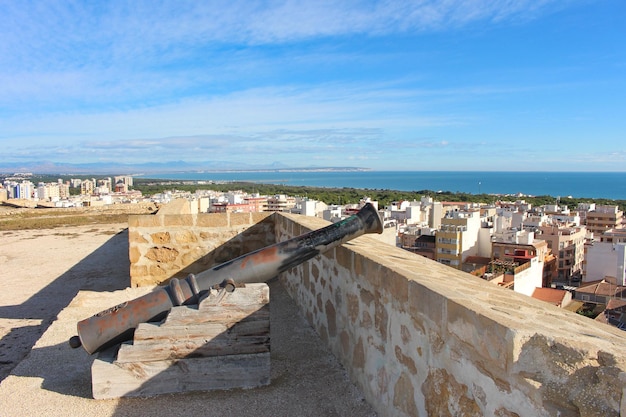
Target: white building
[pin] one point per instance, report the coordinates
(604, 259)
(307, 207)
(458, 237)
(48, 192)
(528, 279)
(332, 214)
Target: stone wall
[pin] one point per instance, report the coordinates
(423, 339)
(163, 246)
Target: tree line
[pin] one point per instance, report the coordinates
(353, 195)
(332, 195)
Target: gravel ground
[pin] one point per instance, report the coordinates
(53, 278)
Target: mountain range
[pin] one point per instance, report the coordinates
(50, 167)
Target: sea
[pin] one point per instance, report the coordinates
(608, 185)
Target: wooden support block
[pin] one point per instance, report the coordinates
(222, 343)
(194, 341)
(144, 379)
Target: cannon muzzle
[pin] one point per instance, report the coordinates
(118, 323)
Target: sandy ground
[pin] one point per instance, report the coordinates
(53, 278)
(42, 270)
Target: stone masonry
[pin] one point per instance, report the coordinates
(423, 339)
(164, 246)
(417, 337)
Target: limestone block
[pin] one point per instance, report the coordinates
(258, 217)
(160, 238)
(239, 219)
(179, 206)
(135, 237)
(445, 396)
(178, 220)
(186, 236)
(398, 287)
(134, 254)
(137, 271)
(212, 220)
(343, 256)
(145, 220)
(159, 272)
(404, 396)
(162, 254)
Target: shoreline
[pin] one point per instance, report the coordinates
(596, 185)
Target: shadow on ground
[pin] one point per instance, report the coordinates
(105, 269)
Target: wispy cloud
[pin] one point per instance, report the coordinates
(52, 32)
(59, 56)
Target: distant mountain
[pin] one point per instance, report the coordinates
(50, 167)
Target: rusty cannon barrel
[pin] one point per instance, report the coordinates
(118, 323)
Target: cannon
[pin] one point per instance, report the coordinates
(117, 324)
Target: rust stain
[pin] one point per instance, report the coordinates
(264, 256)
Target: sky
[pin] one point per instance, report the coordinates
(500, 85)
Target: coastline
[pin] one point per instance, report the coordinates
(594, 185)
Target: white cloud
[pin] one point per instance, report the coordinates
(46, 33)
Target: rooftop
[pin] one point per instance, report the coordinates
(550, 295)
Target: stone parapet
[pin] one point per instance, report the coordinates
(163, 246)
(420, 338)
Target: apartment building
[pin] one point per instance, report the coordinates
(605, 260)
(280, 202)
(534, 221)
(527, 261)
(237, 202)
(604, 218)
(583, 209)
(308, 207)
(567, 244)
(87, 187)
(420, 244)
(48, 192)
(457, 237)
(126, 180)
(614, 236)
(22, 190)
(256, 201)
(605, 256)
(226, 207)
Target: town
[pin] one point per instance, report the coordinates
(574, 259)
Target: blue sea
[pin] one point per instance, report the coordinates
(611, 185)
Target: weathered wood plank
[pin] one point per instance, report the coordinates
(137, 379)
(184, 314)
(220, 306)
(222, 346)
(202, 340)
(203, 330)
(251, 294)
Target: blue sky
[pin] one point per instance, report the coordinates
(532, 85)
